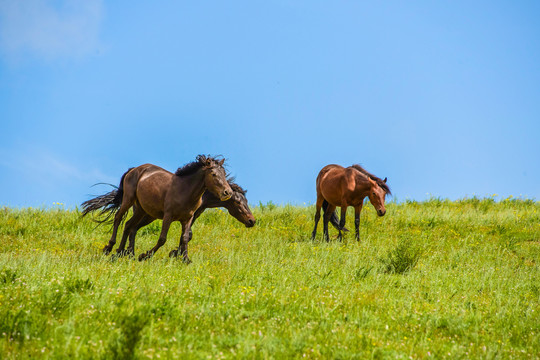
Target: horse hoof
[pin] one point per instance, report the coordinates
(122, 253)
(173, 253)
(187, 261)
(143, 256)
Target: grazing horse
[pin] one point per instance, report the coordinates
(157, 193)
(343, 187)
(237, 206)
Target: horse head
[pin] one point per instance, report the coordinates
(238, 207)
(377, 195)
(215, 177)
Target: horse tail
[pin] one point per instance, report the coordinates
(334, 218)
(108, 204)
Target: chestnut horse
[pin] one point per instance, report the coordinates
(155, 192)
(343, 187)
(237, 206)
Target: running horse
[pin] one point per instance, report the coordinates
(237, 206)
(156, 193)
(343, 187)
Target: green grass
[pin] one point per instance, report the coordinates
(436, 279)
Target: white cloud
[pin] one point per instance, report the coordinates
(49, 29)
(48, 168)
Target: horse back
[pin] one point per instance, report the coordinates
(335, 183)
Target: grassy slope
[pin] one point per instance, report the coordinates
(271, 292)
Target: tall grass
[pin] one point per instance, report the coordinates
(434, 279)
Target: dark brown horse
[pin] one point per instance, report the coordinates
(157, 193)
(237, 206)
(343, 187)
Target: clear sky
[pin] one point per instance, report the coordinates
(441, 97)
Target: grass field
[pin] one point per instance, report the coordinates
(435, 279)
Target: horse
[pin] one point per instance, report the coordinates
(237, 206)
(343, 187)
(160, 194)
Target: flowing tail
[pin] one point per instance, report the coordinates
(333, 219)
(107, 204)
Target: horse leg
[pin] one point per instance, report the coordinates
(131, 225)
(198, 213)
(147, 219)
(184, 240)
(342, 221)
(161, 241)
(117, 220)
(327, 215)
(357, 210)
(128, 199)
(318, 206)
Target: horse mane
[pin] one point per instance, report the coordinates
(378, 180)
(188, 169)
(235, 186)
(194, 166)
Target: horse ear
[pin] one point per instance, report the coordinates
(385, 180)
(220, 163)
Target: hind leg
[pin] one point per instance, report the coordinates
(318, 206)
(145, 221)
(329, 211)
(117, 220)
(132, 225)
(128, 199)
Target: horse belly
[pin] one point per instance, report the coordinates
(330, 198)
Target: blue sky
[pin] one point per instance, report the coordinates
(441, 97)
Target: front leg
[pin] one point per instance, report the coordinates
(184, 239)
(342, 220)
(167, 220)
(357, 210)
(198, 213)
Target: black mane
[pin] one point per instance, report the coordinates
(237, 188)
(194, 166)
(378, 180)
(189, 169)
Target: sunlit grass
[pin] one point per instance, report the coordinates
(470, 286)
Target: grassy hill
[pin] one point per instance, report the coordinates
(435, 279)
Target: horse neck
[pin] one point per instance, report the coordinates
(210, 200)
(363, 185)
(195, 186)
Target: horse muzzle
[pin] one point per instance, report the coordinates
(381, 212)
(250, 223)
